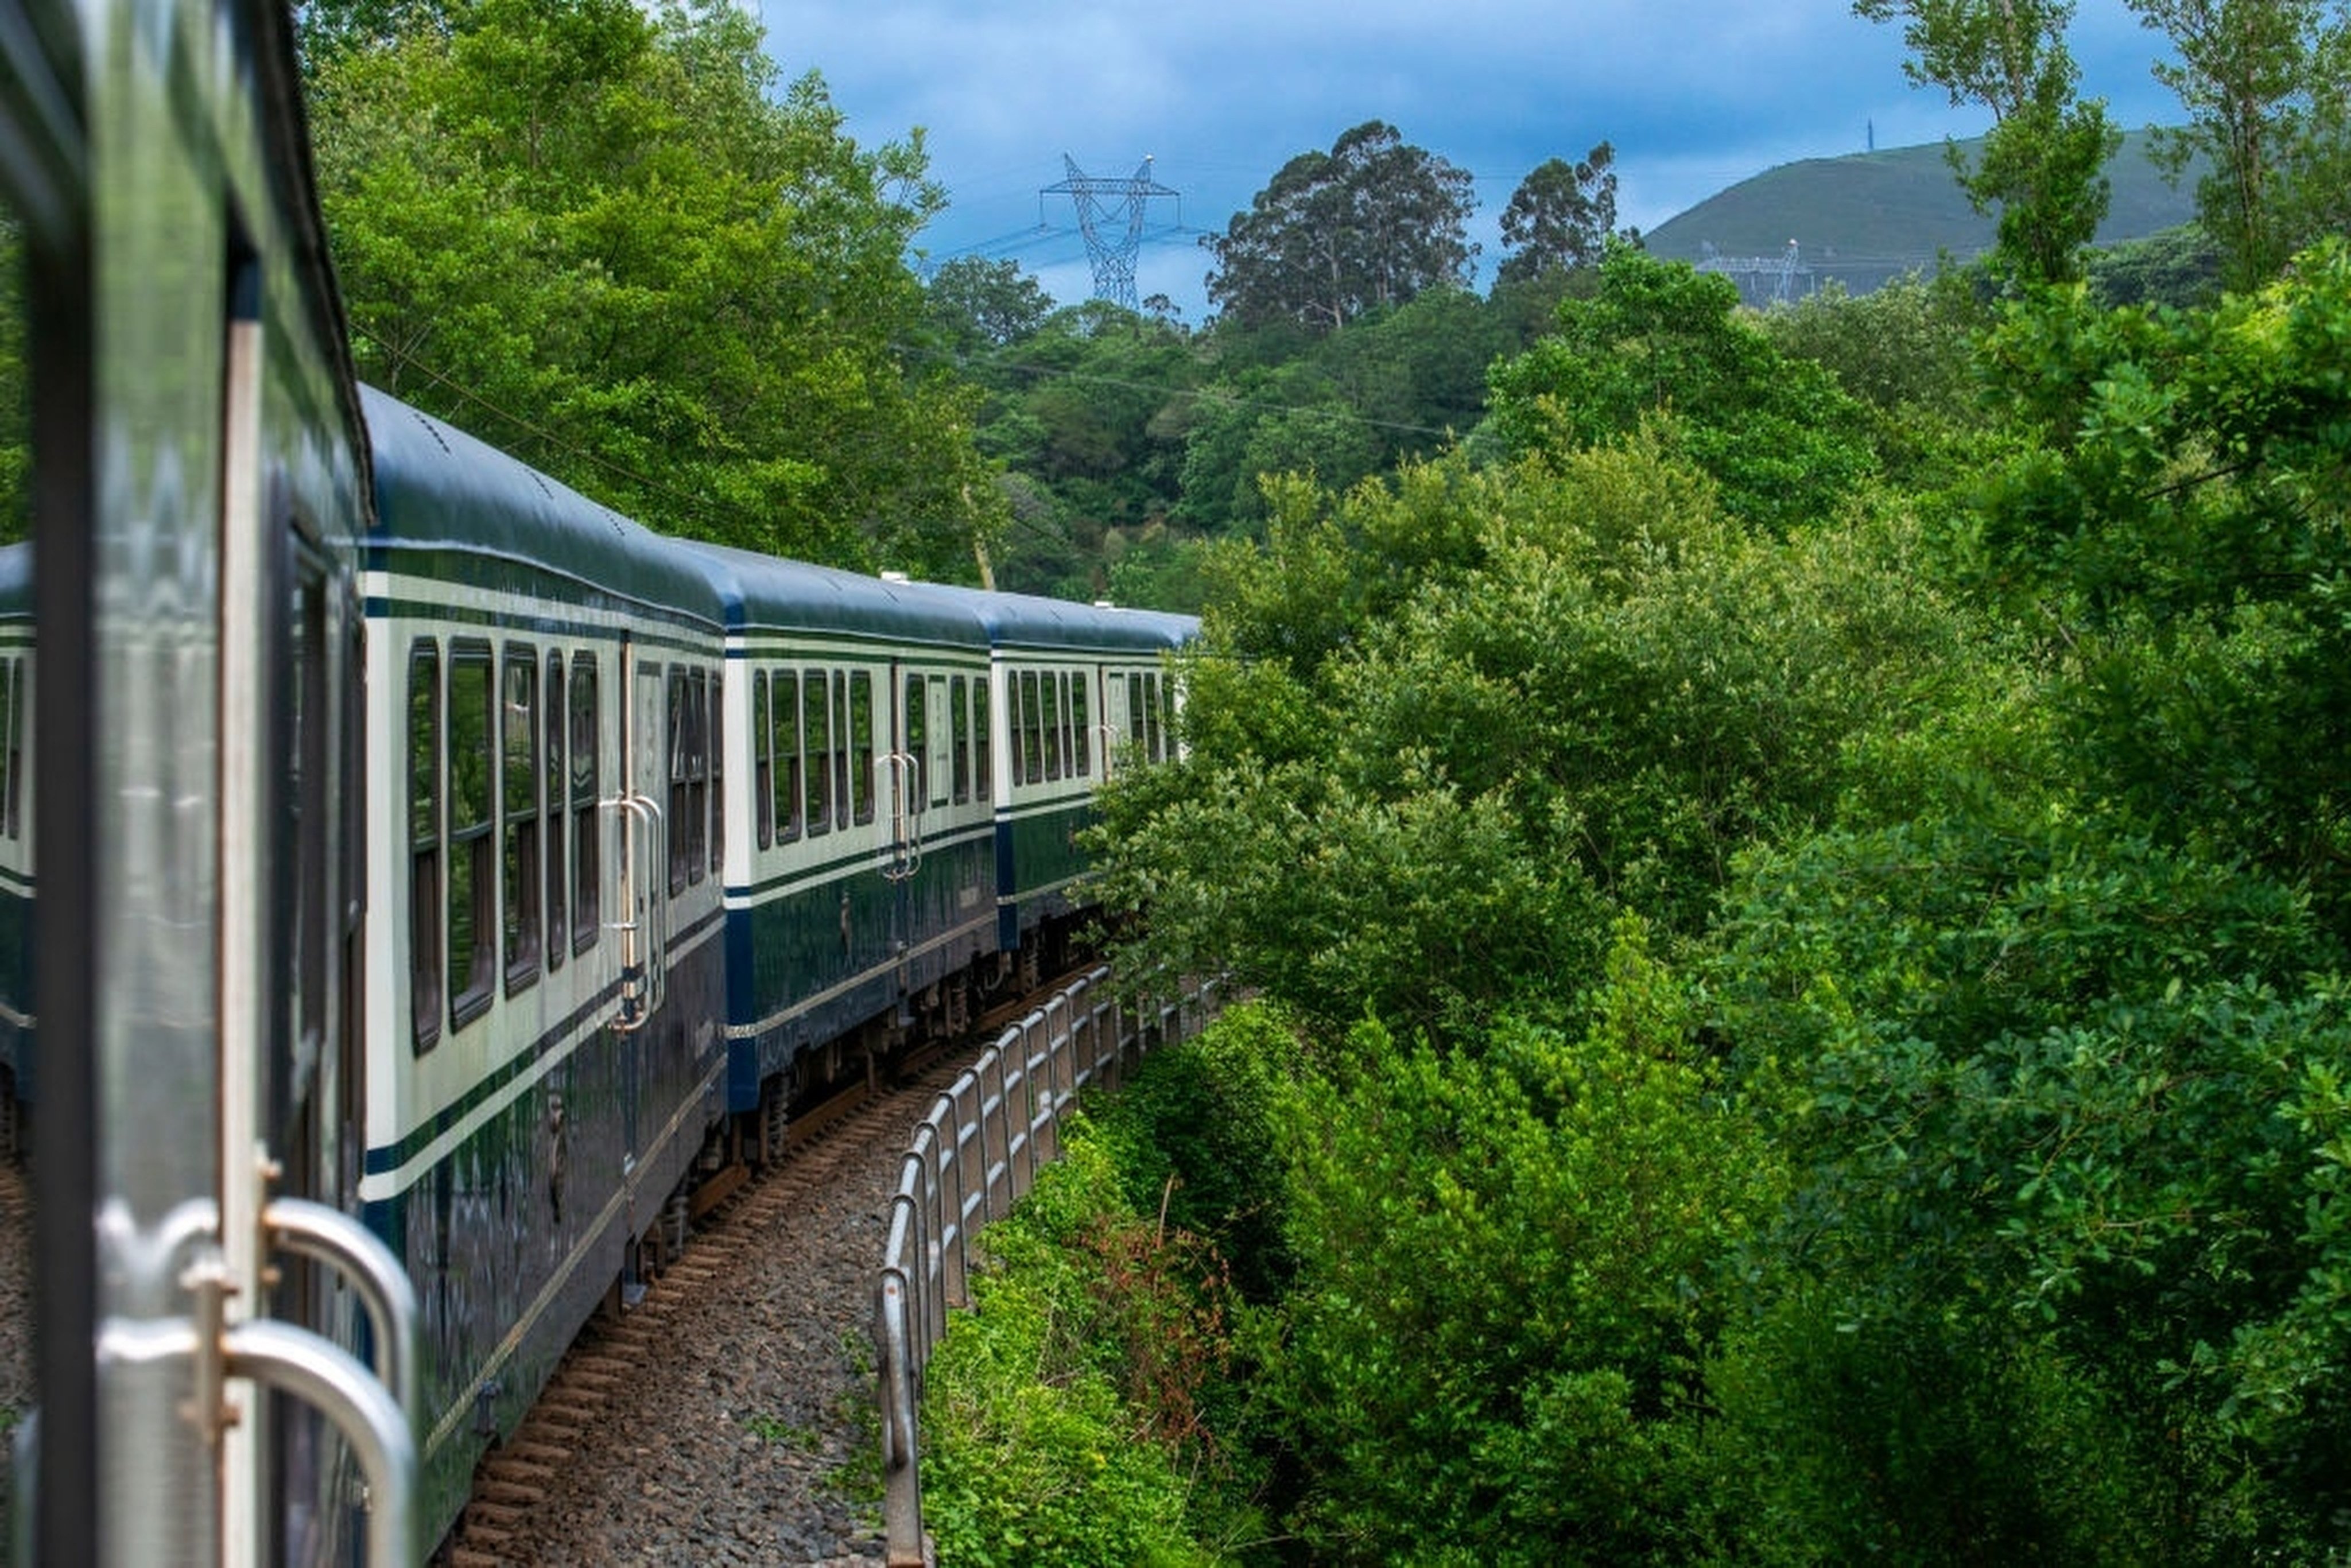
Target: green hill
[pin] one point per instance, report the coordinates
(1869, 216)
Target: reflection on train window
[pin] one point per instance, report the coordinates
(714, 746)
(983, 743)
(959, 721)
(518, 812)
(859, 754)
(918, 733)
(1152, 741)
(587, 767)
(784, 742)
(1135, 709)
(552, 771)
(471, 780)
(681, 839)
(425, 997)
(1056, 689)
(13, 708)
(1032, 732)
(937, 766)
(815, 728)
(1078, 738)
(763, 764)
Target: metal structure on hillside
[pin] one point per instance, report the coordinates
(1764, 279)
(1110, 215)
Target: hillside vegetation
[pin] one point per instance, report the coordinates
(1866, 217)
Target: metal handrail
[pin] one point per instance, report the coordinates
(1040, 1063)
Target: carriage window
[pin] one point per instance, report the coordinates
(552, 773)
(784, 741)
(717, 744)
(425, 997)
(11, 759)
(1135, 709)
(1032, 733)
(763, 765)
(983, 777)
(702, 730)
(1152, 739)
(1054, 707)
(685, 780)
(471, 782)
(918, 728)
(586, 844)
(519, 765)
(959, 750)
(1080, 743)
(937, 762)
(860, 745)
(816, 726)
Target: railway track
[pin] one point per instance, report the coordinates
(715, 1420)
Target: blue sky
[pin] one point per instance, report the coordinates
(1219, 94)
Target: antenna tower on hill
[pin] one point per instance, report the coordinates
(1110, 215)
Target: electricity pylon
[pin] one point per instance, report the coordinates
(1103, 207)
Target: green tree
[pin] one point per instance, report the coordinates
(600, 237)
(1560, 216)
(2267, 88)
(979, 304)
(2043, 160)
(1373, 221)
(1666, 347)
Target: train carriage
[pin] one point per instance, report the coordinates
(1073, 687)
(545, 962)
(859, 869)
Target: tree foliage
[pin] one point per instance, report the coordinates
(1664, 347)
(590, 231)
(2267, 88)
(1562, 216)
(2043, 161)
(1371, 223)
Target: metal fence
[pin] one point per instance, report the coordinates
(970, 1161)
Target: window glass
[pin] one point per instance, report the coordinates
(552, 771)
(784, 732)
(518, 803)
(983, 775)
(860, 745)
(1054, 685)
(1032, 731)
(680, 849)
(1081, 746)
(1151, 739)
(763, 763)
(587, 780)
(918, 728)
(425, 972)
(816, 730)
(470, 780)
(1135, 709)
(959, 720)
(716, 748)
(937, 758)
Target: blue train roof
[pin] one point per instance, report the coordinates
(1031, 621)
(764, 593)
(440, 490)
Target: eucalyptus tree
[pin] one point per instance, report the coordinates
(1560, 216)
(1373, 222)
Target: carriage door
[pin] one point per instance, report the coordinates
(315, 1076)
(644, 867)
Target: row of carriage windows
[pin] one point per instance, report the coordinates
(504, 756)
(503, 798)
(811, 752)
